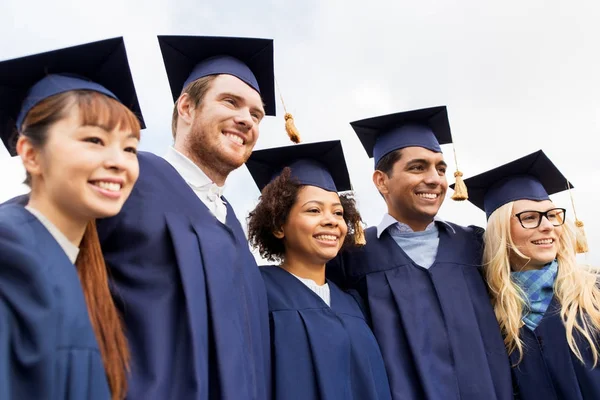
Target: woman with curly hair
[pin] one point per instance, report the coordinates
(322, 347)
(547, 305)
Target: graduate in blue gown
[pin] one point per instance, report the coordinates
(60, 333)
(419, 276)
(322, 347)
(189, 289)
(549, 311)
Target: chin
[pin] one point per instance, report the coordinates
(234, 161)
(429, 213)
(104, 211)
(330, 256)
(542, 259)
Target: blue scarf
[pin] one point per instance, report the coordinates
(538, 285)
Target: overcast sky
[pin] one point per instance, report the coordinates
(516, 77)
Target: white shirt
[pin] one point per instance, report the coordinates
(69, 248)
(321, 290)
(206, 190)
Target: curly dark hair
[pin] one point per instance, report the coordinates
(272, 211)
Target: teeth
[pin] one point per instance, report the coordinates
(113, 187)
(326, 237)
(428, 195)
(235, 138)
(543, 241)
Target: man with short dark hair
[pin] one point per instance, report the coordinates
(420, 276)
(185, 281)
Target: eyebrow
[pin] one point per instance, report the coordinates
(320, 203)
(104, 128)
(426, 162)
(548, 209)
(242, 99)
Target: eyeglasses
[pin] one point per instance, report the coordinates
(533, 219)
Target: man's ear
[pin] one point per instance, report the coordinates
(278, 233)
(186, 108)
(29, 155)
(380, 179)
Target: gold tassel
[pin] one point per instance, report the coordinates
(359, 234)
(581, 238)
(290, 127)
(581, 243)
(460, 189)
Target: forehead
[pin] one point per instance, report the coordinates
(314, 193)
(117, 125)
(532, 205)
(230, 84)
(414, 152)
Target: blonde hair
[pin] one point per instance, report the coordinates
(575, 287)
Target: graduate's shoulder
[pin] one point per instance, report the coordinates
(469, 230)
(20, 256)
(14, 223)
(147, 200)
(155, 172)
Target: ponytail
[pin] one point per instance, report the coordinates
(103, 313)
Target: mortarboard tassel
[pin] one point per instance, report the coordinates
(290, 127)
(359, 234)
(460, 189)
(580, 236)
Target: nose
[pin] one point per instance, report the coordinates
(329, 219)
(545, 224)
(115, 158)
(244, 118)
(433, 177)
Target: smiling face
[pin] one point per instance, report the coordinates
(315, 228)
(81, 171)
(415, 190)
(224, 128)
(539, 245)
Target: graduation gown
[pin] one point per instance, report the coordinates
(48, 349)
(320, 352)
(549, 370)
(436, 328)
(190, 293)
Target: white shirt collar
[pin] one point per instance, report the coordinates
(69, 248)
(388, 221)
(320, 290)
(191, 173)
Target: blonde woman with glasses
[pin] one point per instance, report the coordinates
(547, 305)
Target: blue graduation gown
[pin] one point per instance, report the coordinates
(190, 293)
(549, 370)
(321, 352)
(48, 349)
(436, 328)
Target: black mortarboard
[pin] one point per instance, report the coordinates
(320, 164)
(188, 58)
(100, 66)
(426, 127)
(533, 177)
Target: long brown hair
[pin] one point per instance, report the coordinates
(99, 110)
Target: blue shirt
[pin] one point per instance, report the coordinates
(421, 247)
